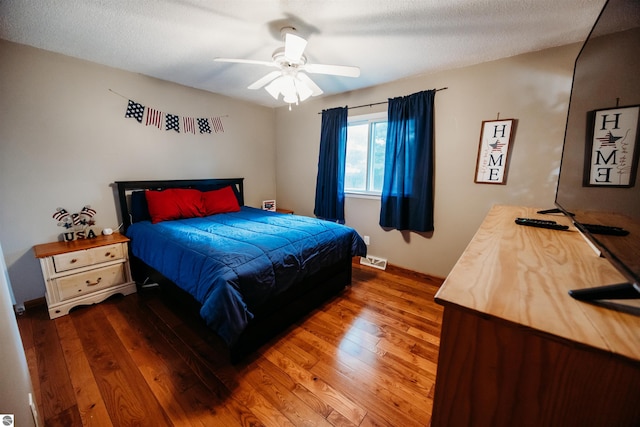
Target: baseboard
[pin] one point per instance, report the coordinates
(402, 271)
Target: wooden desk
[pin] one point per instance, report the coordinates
(517, 350)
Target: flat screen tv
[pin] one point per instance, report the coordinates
(598, 183)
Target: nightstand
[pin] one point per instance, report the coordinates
(84, 272)
(285, 211)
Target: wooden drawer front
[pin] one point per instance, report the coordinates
(105, 253)
(71, 260)
(77, 259)
(90, 281)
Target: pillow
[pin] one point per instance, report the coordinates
(220, 201)
(174, 203)
(138, 207)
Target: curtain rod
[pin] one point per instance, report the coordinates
(383, 102)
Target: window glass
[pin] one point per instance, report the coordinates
(366, 142)
(378, 147)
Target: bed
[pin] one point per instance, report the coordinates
(250, 273)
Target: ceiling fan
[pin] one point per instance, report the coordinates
(290, 79)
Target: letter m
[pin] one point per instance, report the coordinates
(495, 161)
(599, 157)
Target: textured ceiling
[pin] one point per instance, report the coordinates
(176, 40)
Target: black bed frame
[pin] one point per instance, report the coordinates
(270, 318)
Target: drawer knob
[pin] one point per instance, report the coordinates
(107, 254)
(74, 260)
(94, 283)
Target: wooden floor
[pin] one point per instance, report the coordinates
(365, 358)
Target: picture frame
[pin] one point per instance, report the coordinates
(611, 155)
(269, 205)
(496, 137)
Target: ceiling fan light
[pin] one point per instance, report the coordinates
(303, 90)
(292, 89)
(291, 98)
(273, 89)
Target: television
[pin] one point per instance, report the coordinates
(598, 181)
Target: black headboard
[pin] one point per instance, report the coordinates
(125, 188)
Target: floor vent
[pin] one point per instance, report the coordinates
(374, 261)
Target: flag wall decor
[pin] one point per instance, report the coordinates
(77, 225)
(189, 125)
(168, 121)
(154, 118)
(172, 122)
(217, 124)
(203, 125)
(135, 111)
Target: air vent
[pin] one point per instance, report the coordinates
(374, 261)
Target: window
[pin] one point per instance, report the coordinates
(366, 141)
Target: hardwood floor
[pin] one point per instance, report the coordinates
(366, 358)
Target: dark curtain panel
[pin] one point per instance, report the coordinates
(407, 192)
(331, 163)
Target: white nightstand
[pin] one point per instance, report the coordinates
(84, 272)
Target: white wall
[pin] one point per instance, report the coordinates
(64, 140)
(533, 88)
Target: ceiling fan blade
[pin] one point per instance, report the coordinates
(294, 47)
(264, 80)
(336, 70)
(246, 61)
(315, 89)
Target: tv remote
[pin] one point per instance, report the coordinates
(541, 223)
(604, 229)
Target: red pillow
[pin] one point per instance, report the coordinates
(174, 203)
(220, 201)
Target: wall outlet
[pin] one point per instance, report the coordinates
(366, 240)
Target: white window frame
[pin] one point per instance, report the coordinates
(366, 118)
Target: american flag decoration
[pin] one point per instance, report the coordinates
(609, 140)
(60, 214)
(154, 118)
(180, 124)
(189, 124)
(217, 124)
(135, 110)
(67, 220)
(86, 214)
(203, 125)
(172, 122)
(88, 211)
(497, 146)
(77, 223)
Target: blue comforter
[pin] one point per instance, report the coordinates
(235, 261)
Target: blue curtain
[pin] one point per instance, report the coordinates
(407, 191)
(331, 163)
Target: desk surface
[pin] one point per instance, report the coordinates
(522, 275)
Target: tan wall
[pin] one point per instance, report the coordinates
(533, 88)
(64, 140)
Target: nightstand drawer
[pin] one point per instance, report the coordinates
(90, 281)
(77, 259)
